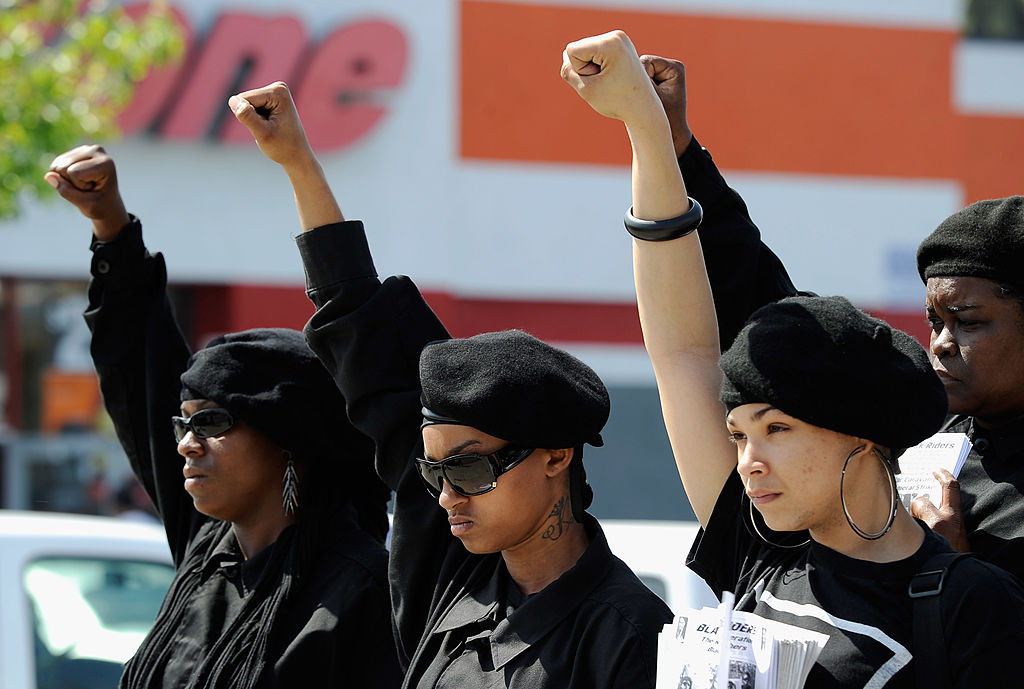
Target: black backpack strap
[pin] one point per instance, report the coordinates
(931, 658)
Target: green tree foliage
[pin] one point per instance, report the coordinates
(67, 68)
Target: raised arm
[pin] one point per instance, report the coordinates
(269, 113)
(369, 335)
(137, 348)
(744, 273)
(676, 308)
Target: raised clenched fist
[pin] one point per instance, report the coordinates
(85, 176)
(607, 73)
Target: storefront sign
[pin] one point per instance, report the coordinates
(338, 82)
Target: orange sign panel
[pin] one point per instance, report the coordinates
(765, 95)
(70, 399)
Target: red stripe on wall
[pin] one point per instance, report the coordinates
(229, 308)
(220, 309)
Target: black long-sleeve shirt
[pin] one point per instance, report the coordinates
(743, 272)
(335, 629)
(992, 491)
(460, 621)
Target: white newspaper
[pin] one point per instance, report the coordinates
(762, 654)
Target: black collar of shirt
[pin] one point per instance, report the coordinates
(893, 571)
(227, 557)
(541, 612)
(1005, 442)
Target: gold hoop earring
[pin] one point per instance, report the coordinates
(894, 496)
(290, 492)
(773, 544)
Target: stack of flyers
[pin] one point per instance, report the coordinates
(941, 451)
(762, 654)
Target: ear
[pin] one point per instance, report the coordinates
(558, 461)
(871, 446)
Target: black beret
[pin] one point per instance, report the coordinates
(823, 361)
(513, 386)
(269, 378)
(985, 240)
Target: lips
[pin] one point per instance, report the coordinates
(193, 477)
(945, 376)
(460, 524)
(761, 497)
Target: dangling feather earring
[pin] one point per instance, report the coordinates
(290, 492)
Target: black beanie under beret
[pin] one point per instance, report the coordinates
(269, 378)
(823, 361)
(985, 240)
(515, 387)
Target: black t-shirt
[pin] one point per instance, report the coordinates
(863, 606)
(744, 274)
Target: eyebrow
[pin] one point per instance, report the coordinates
(453, 450)
(200, 405)
(756, 416)
(928, 308)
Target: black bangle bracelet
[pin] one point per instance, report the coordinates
(664, 230)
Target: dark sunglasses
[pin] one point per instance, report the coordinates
(205, 423)
(470, 473)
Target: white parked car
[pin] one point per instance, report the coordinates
(656, 551)
(78, 594)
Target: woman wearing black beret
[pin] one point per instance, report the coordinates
(973, 269)
(499, 577)
(800, 515)
(273, 513)
(974, 294)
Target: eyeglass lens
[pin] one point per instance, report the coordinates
(469, 474)
(205, 423)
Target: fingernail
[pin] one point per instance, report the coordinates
(52, 181)
(232, 102)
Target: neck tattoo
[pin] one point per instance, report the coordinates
(562, 518)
